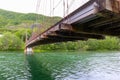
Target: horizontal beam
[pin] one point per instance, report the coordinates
(59, 37)
(84, 35)
(91, 30)
(52, 40)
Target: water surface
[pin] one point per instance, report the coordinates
(60, 66)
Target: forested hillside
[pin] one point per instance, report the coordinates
(10, 19)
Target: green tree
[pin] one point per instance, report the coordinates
(110, 43)
(10, 41)
(21, 33)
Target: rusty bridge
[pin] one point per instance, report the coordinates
(95, 19)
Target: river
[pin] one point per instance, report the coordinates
(60, 66)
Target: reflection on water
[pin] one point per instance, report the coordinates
(60, 66)
(38, 71)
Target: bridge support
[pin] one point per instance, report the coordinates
(28, 50)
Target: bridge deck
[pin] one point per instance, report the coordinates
(92, 20)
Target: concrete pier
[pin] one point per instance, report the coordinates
(28, 50)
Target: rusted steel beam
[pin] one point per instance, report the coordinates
(51, 40)
(41, 37)
(54, 39)
(113, 28)
(59, 37)
(102, 22)
(112, 5)
(66, 38)
(108, 27)
(100, 31)
(91, 30)
(115, 5)
(68, 34)
(85, 35)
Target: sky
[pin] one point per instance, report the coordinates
(29, 6)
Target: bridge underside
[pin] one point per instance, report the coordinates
(95, 19)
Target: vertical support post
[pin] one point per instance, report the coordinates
(28, 51)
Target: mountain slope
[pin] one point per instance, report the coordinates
(9, 19)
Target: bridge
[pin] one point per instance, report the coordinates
(95, 19)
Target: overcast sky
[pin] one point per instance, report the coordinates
(29, 6)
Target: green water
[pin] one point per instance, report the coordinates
(60, 66)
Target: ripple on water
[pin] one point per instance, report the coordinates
(98, 66)
(13, 67)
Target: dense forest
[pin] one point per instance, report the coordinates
(13, 28)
